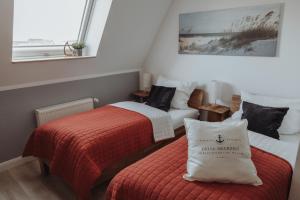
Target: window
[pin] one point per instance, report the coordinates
(42, 27)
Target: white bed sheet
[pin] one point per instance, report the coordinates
(286, 147)
(178, 116)
(160, 120)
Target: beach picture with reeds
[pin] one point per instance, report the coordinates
(247, 31)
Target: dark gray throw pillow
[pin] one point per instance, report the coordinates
(263, 120)
(160, 97)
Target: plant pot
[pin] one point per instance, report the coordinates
(78, 52)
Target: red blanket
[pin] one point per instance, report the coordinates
(159, 177)
(80, 147)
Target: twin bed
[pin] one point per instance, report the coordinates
(111, 138)
(159, 176)
(117, 135)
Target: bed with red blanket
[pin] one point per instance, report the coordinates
(159, 177)
(79, 153)
(89, 148)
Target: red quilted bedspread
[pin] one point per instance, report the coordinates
(159, 177)
(80, 147)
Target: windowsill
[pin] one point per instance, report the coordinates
(44, 59)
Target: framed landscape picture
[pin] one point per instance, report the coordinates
(247, 31)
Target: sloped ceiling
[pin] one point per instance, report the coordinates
(128, 36)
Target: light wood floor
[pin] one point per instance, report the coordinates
(26, 183)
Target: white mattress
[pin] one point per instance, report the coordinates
(178, 116)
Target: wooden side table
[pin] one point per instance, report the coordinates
(140, 96)
(215, 113)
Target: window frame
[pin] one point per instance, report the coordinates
(50, 51)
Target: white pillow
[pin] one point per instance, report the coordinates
(184, 89)
(219, 152)
(291, 121)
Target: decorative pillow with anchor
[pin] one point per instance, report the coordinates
(219, 152)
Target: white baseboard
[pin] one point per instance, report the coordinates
(15, 162)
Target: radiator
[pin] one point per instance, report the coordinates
(44, 115)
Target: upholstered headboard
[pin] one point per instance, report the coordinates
(235, 103)
(196, 99)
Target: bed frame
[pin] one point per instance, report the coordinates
(195, 101)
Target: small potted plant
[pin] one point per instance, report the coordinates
(78, 46)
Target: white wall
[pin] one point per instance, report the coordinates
(129, 33)
(278, 76)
